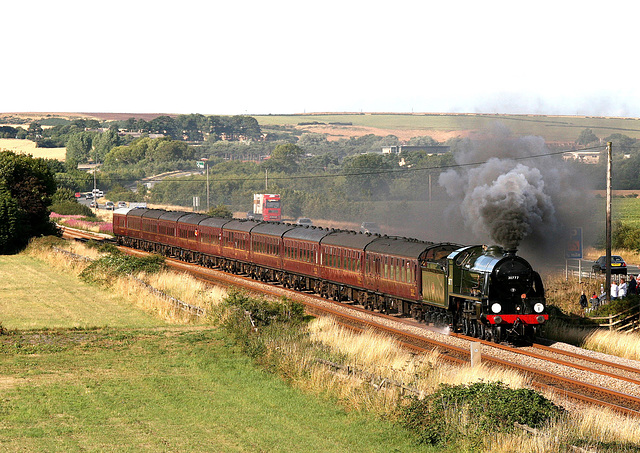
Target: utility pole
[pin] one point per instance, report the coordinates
(95, 167)
(266, 180)
(207, 164)
(608, 226)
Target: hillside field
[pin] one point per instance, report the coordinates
(29, 147)
(560, 129)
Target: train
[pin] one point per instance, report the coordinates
(482, 291)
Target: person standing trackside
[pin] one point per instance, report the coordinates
(633, 288)
(583, 300)
(614, 290)
(622, 289)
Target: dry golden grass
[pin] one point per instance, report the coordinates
(564, 292)
(630, 256)
(382, 356)
(186, 288)
(604, 425)
(586, 428)
(180, 286)
(622, 344)
(29, 147)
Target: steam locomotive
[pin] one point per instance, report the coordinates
(485, 292)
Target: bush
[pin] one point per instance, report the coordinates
(119, 264)
(71, 208)
(265, 312)
(616, 306)
(243, 316)
(103, 247)
(474, 410)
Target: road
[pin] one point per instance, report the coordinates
(585, 267)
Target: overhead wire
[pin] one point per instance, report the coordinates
(359, 173)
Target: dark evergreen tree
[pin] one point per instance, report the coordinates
(26, 187)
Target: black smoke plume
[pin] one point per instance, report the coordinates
(512, 197)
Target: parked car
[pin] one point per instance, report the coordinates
(93, 204)
(122, 204)
(370, 227)
(304, 221)
(618, 266)
(109, 205)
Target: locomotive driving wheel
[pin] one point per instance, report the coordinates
(482, 332)
(465, 327)
(473, 328)
(498, 334)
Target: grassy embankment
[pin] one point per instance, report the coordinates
(166, 385)
(111, 369)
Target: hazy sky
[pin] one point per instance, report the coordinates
(281, 56)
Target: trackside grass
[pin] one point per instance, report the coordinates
(164, 390)
(36, 296)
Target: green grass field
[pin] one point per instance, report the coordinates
(553, 128)
(625, 209)
(139, 384)
(35, 297)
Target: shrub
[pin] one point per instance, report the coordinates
(470, 411)
(616, 306)
(104, 247)
(119, 264)
(72, 208)
(243, 316)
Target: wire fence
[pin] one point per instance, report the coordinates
(177, 303)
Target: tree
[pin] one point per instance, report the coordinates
(368, 174)
(34, 131)
(284, 158)
(586, 137)
(8, 132)
(422, 140)
(26, 187)
(10, 221)
(79, 149)
(105, 142)
(63, 194)
(166, 150)
(221, 211)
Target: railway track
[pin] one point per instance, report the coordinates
(570, 375)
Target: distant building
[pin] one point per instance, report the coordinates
(429, 149)
(586, 157)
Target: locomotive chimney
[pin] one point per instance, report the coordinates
(510, 252)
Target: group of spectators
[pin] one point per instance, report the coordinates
(618, 291)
